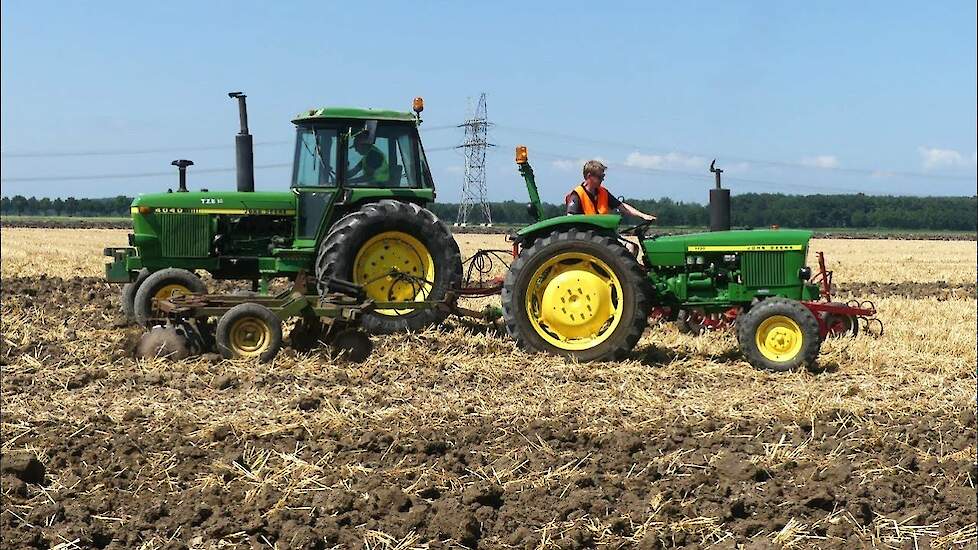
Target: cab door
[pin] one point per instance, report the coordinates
(314, 180)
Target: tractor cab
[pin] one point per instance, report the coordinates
(344, 156)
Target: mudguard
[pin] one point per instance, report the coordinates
(606, 222)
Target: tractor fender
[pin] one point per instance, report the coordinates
(600, 222)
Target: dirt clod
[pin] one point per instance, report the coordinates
(24, 465)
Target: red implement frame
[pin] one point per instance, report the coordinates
(835, 318)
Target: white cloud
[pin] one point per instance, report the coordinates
(666, 161)
(569, 165)
(821, 161)
(934, 157)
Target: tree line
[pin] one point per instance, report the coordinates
(857, 211)
(748, 210)
(18, 205)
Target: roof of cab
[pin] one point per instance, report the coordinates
(326, 113)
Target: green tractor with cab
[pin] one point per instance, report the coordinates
(355, 211)
(576, 289)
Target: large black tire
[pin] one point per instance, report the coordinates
(155, 283)
(129, 294)
(249, 330)
(747, 335)
(634, 299)
(338, 253)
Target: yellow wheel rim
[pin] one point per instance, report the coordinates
(169, 291)
(779, 338)
(250, 337)
(394, 267)
(574, 301)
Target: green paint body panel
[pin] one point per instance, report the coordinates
(601, 221)
(721, 269)
(330, 113)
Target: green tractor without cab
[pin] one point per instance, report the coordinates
(355, 211)
(575, 289)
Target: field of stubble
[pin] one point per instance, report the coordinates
(452, 438)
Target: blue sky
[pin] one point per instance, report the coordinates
(874, 97)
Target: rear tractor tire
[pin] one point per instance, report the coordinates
(249, 331)
(780, 335)
(160, 285)
(576, 293)
(398, 252)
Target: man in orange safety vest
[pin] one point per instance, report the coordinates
(591, 197)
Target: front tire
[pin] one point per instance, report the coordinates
(398, 252)
(576, 293)
(780, 335)
(129, 294)
(163, 284)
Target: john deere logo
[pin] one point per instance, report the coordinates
(745, 248)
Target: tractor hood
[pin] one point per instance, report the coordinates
(672, 249)
(218, 202)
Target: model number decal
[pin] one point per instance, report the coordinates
(208, 200)
(245, 211)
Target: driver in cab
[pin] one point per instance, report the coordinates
(372, 168)
(591, 197)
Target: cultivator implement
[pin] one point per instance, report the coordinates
(251, 325)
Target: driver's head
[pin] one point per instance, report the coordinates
(361, 146)
(594, 172)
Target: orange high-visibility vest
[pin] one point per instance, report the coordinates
(587, 205)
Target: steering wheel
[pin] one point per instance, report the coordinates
(638, 229)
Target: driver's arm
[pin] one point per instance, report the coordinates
(626, 208)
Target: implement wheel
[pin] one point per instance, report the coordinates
(779, 334)
(576, 293)
(163, 284)
(840, 325)
(249, 331)
(398, 252)
(691, 322)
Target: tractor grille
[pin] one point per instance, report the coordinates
(763, 269)
(184, 235)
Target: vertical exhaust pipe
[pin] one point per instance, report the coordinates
(719, 203)
(182, 165)
(244, 148)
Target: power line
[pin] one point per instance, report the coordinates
(187, 150)
(784, 164)
(136, 175)
(665, 171)
(124, 152)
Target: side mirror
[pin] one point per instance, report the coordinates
(369, 133)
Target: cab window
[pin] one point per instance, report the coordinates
(315, 157)
(390, 161)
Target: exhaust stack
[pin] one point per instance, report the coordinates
(719, 203)
(244, 148)
(182, 165)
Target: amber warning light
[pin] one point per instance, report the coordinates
(418, 104)
(521, 154)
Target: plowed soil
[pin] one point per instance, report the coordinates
(321, 464)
